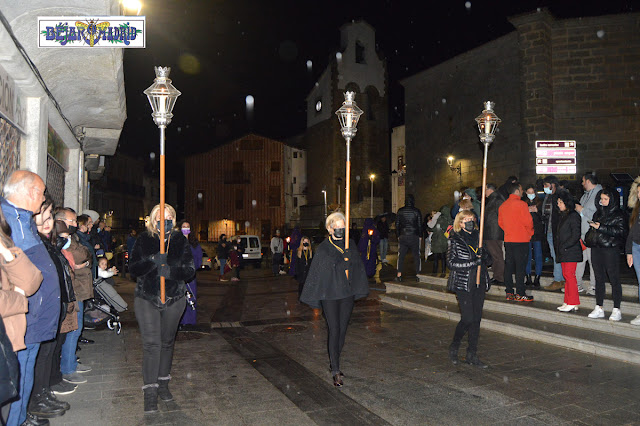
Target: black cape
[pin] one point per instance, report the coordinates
(327, 280)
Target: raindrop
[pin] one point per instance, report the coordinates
(444, 100)
(317, 84)
(339, 56)
(238, 22)
(152, 155)
(249, 100)
(395, 107)
(437, 112)
(309, 65)
(406, 68)
(179, 129)
(633, 78)
(557, 374)
(358, 177)
(539, 10)
(467, 5)
(505, 379)
(246, 224)
(600, 33)
(254, 203)
(285, 303)
(188, 375)
(288, 312)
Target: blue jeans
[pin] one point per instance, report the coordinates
(68, 360)
(27, 361)
(537, 252)
(557, 267)
(636, 262)
(384, 247)
(223, 262)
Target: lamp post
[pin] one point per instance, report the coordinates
(348, 115)
(371, 178)
(487, 124)
(324, 194)
(162, 97)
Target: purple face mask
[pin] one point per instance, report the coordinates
(186, 231)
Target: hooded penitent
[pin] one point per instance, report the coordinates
(368, 245)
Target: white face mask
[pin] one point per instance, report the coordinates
(531, 196)
(547, 190)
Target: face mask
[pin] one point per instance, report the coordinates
(186, 231)
(305, 244)
(547, 191)
(531, 196)
(72, 229)
(338, 233)
(168, 224)
(67, 244)
(468, 226)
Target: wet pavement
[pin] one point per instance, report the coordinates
(258, 356)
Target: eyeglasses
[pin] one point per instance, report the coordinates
(69, 220)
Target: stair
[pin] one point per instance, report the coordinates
(538, 320)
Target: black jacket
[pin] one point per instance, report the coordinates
(9, 368)
(67, 295)
(223, 249)
(327, 280)
(566, 237)
(462, 264)
(538, 224)
(409, 220)
(302, 266)
(550, 208)
(143, 267)
(383, 229)
(492, 230)
(613, 223)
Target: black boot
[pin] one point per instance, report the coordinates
(528, 282)
(453, 352)
(35, 421)
(40, 406)
(150, 398)
(163, 388)
(536, 282)
(472, 359)
(54, 401)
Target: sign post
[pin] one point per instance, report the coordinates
(556, 157)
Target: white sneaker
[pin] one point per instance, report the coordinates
(636, 320)
(591, 291)
(561, 307)
(616, 315)
(597, 312)
(568, 308)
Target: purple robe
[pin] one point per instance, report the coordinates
(189, 316)
(368, 246)
(296, 236)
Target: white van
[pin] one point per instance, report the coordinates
(252, 249)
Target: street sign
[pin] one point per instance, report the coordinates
(556, 157)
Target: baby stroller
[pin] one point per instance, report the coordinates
(105, 307)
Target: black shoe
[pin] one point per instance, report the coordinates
(536, 281)
(35, 421)
(337, 381)
(472, 359)
(85, 340)
(399, 279)
(41, 407)
(151, 400)
(54, 401)
(453, 353)
(528, 282)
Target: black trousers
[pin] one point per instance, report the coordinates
(437, 258)
(158, 328)
(56, 374)
(409, 243)
(275, 263)
(470, 304)
(42, 369)
(515, 262)
(606, 262)
(337, 314)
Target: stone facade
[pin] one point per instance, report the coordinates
(572, 79)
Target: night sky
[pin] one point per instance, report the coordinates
(220, 51)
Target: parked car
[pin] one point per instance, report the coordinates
(252, 249)
(206, 261)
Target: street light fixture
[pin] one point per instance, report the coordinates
(371, 178)
(132, 5)
(457, 169)
(162, 98)
(348, 115)
(488, 123)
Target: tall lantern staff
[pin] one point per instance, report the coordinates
(162, 97)
(348, 115)
(487, 124)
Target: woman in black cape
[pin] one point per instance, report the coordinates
(336, 279)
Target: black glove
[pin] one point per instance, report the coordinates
(159, 259)
(164, 271)
(479, 261)
(480, 252)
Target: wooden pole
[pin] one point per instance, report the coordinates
(347, 200)
(484, 190)
(161, 213)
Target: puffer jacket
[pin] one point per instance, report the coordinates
(612, 220)
(567, 237)
(492, 230)
(409, 219)
(462, 264)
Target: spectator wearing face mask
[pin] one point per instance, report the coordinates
(237, 248)
(190, 313)
(304, 255)
(534, 204)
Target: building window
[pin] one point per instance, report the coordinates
(274, 196)
(200, 199)
(239, 199)
(294, 179)
(295, 202)
(360, 53)
(295, 154)
(275, 166)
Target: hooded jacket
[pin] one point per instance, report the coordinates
(409, 219)
(44, 304)
(474, 199)
(492, 231)
(613, 224)
(589, 203)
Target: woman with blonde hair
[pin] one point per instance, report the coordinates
(158, 321)
(336, 279)
(304, 254)
(464, 257)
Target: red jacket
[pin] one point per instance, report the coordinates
(515, 220)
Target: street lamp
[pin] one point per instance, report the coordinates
(371, 178)
(488, 122)
(348, 115)
(324, 194)
(162, 97)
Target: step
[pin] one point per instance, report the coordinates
(594, 342)
(629, 305)
(538, 310)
